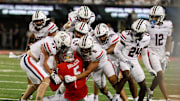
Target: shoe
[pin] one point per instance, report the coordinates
(92, 97)
(30, 97)
(117, 97)
(149, 94)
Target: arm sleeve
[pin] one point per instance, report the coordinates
(118, 51)
(146, 59)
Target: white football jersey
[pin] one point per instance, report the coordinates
(45, 31)
(73, 17)
(97, 53)
(132, 48)
(112, 39)
(49, 46)
(159, 36)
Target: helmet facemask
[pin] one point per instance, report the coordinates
(137, 36)
(103, 39)
(67, 55)
(155, 19)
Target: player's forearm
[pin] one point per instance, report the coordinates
(168, 45)
(91, 67)
(110, 50)
(146, 60)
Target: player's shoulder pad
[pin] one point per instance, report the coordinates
(97, 53)
(72, 16)
(52, 27)
(125, 35)
(113, 38)
(146, 39)
(168, 23)
(50, 45)
(31, 27)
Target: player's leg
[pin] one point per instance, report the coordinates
(96, 90)
(30, 90)
(109, 71)
(139, 76)
(100, 82)
(42, 89)
(133, 88)
(142, 91)
(159, 79)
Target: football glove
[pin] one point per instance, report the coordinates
(69, 78)
(164, 62)
(55, 78)
(152, 72)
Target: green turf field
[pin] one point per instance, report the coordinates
(13, 81)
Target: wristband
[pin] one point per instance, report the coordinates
(167, 53)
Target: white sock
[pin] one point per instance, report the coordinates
(110, 95)
(95, 96)
(135, 99)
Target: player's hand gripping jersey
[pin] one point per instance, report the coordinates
(159, 36)
(45, 31)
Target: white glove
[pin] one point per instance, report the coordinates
(69, 78)
(164, 62)
(152, 72)
(55, 78)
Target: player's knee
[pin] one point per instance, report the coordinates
(126, 75)
(46, 80)
(113, 79)
(143, 85)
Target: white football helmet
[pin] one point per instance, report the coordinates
(62, 40)
(86, 44)
(157, 11)
(82, 27)
(101, 30)
(38, 16)
(84, 12)
(139, 28)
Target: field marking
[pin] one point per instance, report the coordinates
(10, 70)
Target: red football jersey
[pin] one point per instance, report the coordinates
(76, 90)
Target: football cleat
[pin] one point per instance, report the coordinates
(149, 94)
(116, 98)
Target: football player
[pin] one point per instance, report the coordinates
(83, 14)
(107, 40)
(72, 64)
(132, 43)
(160, 31)
(34, 63)
(97, 64)
(40, 27)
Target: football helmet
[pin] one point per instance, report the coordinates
(86, 44)
(67, 55)
(62, 40)
(138, 29)
(101, 32)
(39, 19)
(158, 13)
(84, 13)
(82, 27)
